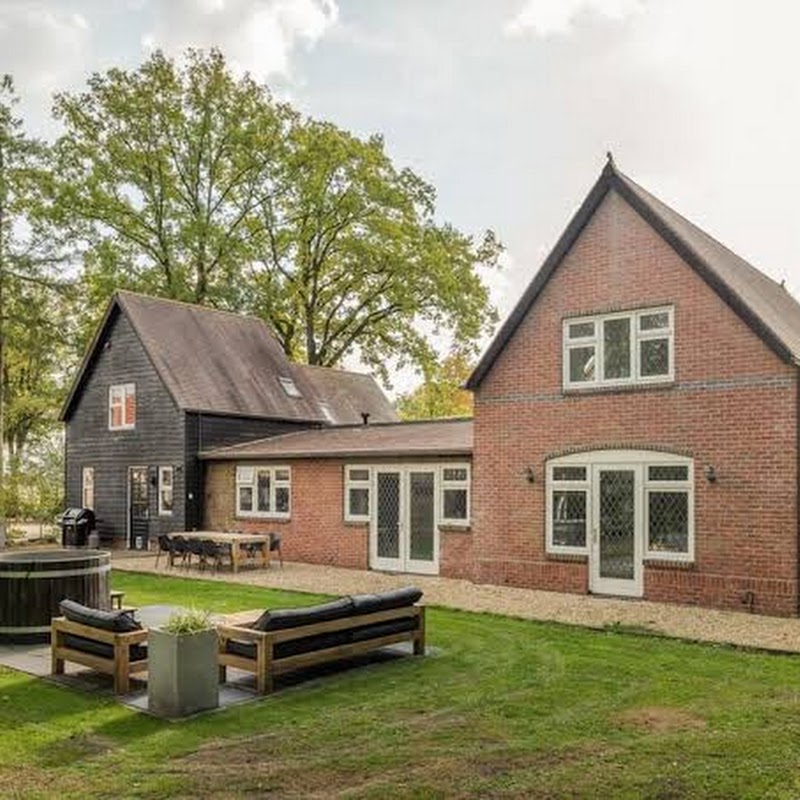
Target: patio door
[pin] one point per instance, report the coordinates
(616, 558)
(138, 508)
(404, 535)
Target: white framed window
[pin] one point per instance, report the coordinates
(357, 493)
(166, 491)
(664, 484)
(87, 487)
(263, 492)
(568, 504)
(627, 348)
(122, 406)
(669, 511)
(454, 488)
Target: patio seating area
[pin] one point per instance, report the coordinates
(216, 550)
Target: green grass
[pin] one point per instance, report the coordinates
(503, 708)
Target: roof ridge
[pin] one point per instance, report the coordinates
(201, 306)
(694, 225)
(338, 370)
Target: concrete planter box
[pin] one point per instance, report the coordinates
(182, 672)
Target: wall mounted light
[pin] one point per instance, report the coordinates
(710, 473)
(530, 475)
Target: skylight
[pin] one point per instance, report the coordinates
(326, 412)
(289, 386)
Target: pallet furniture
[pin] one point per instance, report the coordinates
(286, 640)
(108, 642)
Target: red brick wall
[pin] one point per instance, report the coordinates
(317, 532)
(733, 405)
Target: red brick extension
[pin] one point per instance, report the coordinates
(733, 405)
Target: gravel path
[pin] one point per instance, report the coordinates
(685, 622)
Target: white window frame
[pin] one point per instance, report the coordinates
(637, 336)
(162, 471)
(87, 485)
(123, 390)
(289, 386)
(242, 471)
(641, 460)
(465, 485)
(350, 483)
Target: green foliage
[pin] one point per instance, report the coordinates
(190, 183)
(501, 708)
(441, 393)
(185, 623)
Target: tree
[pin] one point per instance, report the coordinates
(441, 394)
(28, 281)
(159, 171)
(190, 183)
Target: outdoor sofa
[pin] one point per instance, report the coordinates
(112, 642)
(288, 639)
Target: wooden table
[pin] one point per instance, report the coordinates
(235, 540)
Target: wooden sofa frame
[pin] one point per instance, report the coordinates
(120, 666)
(266, 665)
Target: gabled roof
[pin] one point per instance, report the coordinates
(429, 438)
(223, 363)
(765, 305)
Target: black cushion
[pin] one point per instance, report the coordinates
(138, 652)
(395, 598)
(378, 629)
(281, 618)
(116, 621)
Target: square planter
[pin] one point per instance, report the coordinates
(182, 672)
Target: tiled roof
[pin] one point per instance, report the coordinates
(766, 306)
(399, 439)
(223, 363)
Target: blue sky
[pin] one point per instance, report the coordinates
(506, 106)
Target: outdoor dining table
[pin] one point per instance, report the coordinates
(235, 540)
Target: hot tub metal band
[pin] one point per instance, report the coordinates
(60, 573)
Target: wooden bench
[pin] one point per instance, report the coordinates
(117, 596)
(265, 660)
(116, 653)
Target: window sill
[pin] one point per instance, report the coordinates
(579, 391)
(356, 523)
(575, 558)
(262, 518)
(449, 527)
(668, 563)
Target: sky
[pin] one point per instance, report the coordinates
(507, 107)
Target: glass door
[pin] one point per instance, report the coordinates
(423, 544)
(138, 508)
(386, 551)
(616, 562)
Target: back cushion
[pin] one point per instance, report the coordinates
(116, 621)
(282, 618)
(394, 598)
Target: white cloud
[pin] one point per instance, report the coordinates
(550, 17)
(255, 35)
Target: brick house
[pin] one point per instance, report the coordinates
(636, 418)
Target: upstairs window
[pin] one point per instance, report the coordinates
(631, 348)
(289, 386)
(263, 492)
(122, 406)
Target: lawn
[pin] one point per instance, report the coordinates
(503, 708)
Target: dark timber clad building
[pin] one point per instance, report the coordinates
(162, 381)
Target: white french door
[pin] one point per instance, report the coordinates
(615, 560)
(404, 536)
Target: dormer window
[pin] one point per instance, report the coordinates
(289, 386)
(630, 348)
(122, 406)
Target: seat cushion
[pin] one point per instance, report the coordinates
(378, 629)
(383, 601)
(116, 621)
(294, 647)
(138, 652)
(281, 618)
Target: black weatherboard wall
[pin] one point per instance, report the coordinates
(156, 440)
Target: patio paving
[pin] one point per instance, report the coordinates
(685, 622)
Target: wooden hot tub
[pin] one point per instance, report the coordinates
(32, 584)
